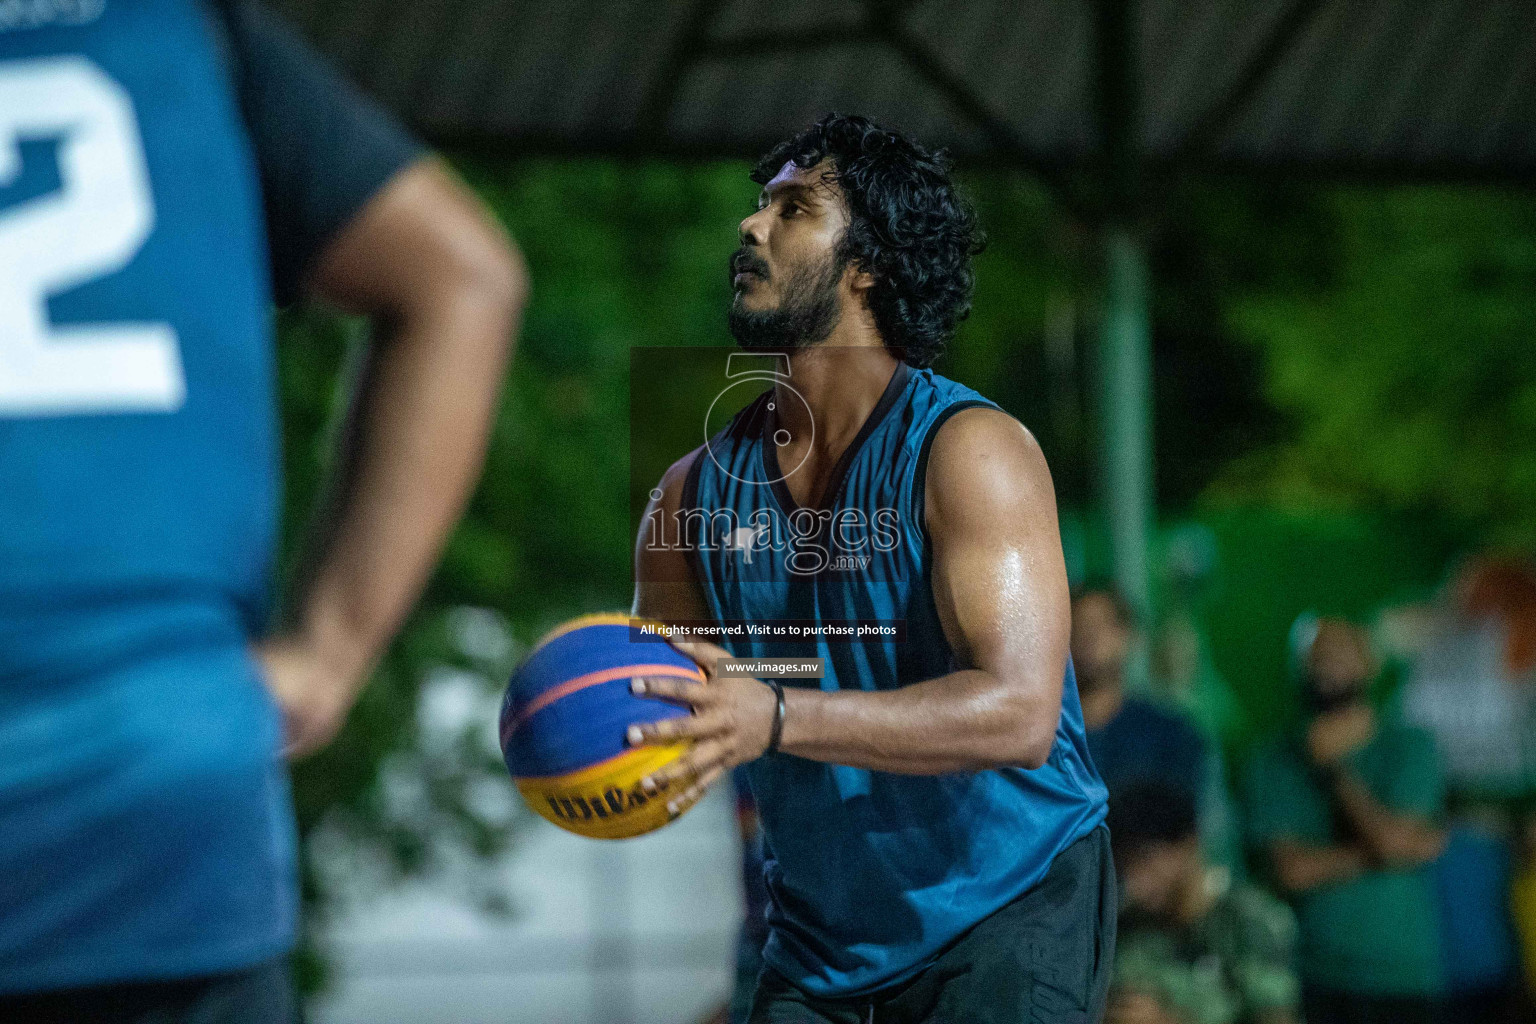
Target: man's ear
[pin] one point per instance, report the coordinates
(860, 281)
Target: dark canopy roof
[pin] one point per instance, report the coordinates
(1386, 88)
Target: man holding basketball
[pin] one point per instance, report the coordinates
(932, 821)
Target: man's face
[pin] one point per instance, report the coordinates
(788, 275)
(1154, 879)
(1338, 664)
(1101, 641)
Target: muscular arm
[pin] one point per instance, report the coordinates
(445, 288)
(1000, 585)
(665, 588)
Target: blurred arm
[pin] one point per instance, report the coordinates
(1300, 866)
(1391, 838)
(445, 289)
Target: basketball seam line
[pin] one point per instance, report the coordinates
(571, 686)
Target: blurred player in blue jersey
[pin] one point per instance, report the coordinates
(167, 169)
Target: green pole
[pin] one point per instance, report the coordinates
(1125, 359)
(1125, 414)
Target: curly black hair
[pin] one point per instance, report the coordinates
(909, 227)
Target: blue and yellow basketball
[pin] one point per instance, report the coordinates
(564, 719)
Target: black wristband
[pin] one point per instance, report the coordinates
(778, 716)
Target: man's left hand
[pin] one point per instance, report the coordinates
(731, 724)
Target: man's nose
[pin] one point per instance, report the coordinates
(752, 229)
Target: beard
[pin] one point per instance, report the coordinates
(806, 314)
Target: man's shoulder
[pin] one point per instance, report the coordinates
(936, 402)
(985, 473)
(955, 425)
(947, 387)
(966, 428)
(675, 480)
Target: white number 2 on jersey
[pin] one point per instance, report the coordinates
(90, 227)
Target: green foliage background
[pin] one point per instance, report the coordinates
(1345, 396)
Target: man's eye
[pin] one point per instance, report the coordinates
(791, 210)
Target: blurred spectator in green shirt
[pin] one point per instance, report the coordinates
(1194, 947)
(1345, 812)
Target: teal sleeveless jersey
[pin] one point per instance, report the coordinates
(145, 828)
(871, 874)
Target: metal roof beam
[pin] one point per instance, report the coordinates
(760, 43)
(1117, 102)
(1207, 125)
(662, 94)
(439, 53)
(886, 24)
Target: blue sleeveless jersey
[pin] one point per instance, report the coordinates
(871, 874)
(145, 827)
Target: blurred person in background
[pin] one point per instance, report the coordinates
(1474, 881)
(1135, 738)
(1470, 660)
(1180, 659)
(1183, 673)
(1131, 737)
(1345, 813)
(1194, 947)
(167, 169)
(1471, 665)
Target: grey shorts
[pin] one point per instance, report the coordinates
(1045, 958)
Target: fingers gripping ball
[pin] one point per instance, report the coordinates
(564, 719)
